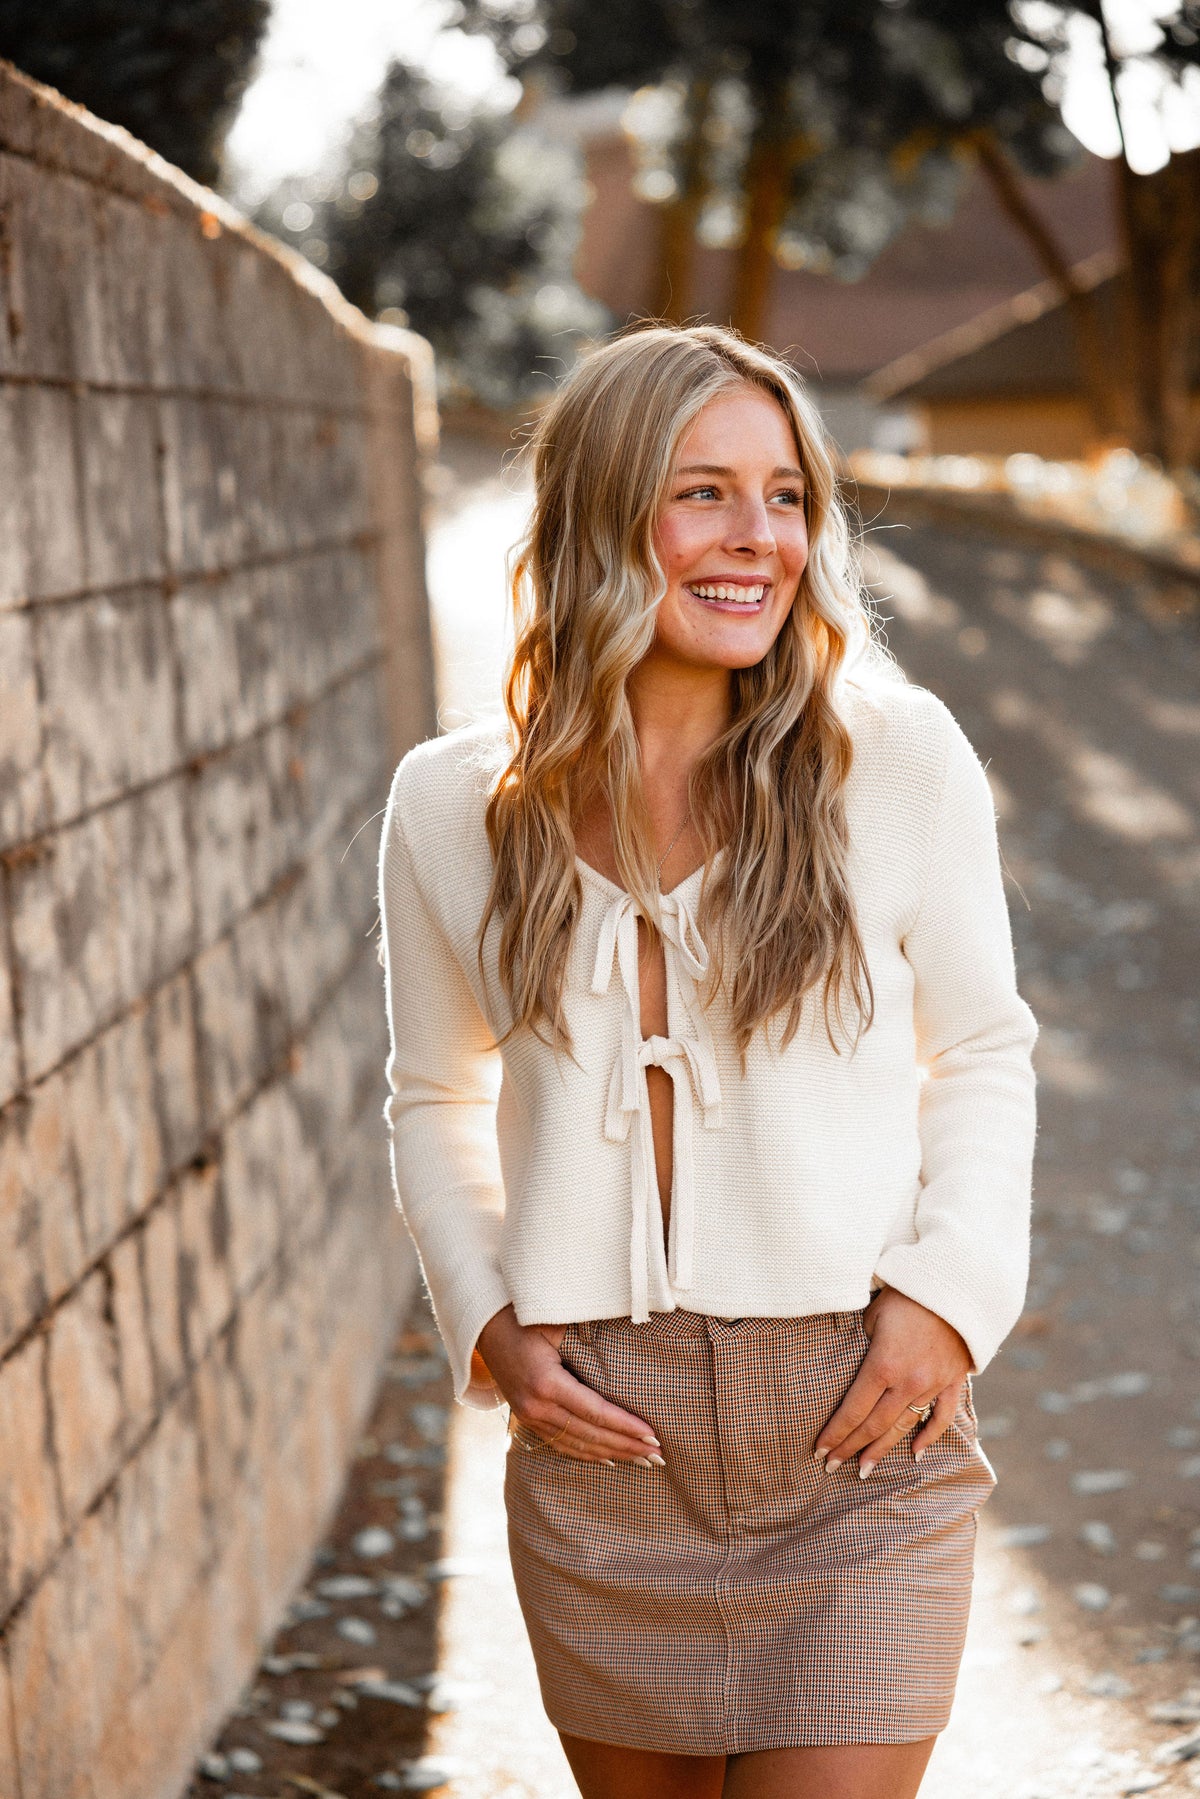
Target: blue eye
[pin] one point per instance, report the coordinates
(693, 492)
(790, 493)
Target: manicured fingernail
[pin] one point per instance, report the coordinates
(822, 1452)
(918, 1453)
(864, 1468)
(658, 1461)
(833, 1462)
(653, 1442)
(609, 1463)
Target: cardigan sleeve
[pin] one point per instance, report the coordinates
(974, 1034)
(443, 1073)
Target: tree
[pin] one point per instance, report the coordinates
(1158, 216)
(171, 71)
(818, 128)
(457, 221)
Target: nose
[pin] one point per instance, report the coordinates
(751, 529)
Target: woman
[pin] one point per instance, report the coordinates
(712, 1110)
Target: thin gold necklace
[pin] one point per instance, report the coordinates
(679, 833)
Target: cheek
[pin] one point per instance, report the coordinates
(678, 542)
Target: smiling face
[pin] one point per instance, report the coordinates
(731, 535)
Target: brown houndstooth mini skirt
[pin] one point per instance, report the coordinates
(741, 1598)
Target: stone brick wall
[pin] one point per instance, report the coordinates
(214, 645)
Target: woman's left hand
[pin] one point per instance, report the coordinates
(915, 1357)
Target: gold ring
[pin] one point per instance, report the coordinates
(554, 1439)
(924, 1412)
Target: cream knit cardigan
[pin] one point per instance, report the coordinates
(796, 1188)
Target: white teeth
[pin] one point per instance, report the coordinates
(745, 596)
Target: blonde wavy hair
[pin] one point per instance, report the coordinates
(586, 584)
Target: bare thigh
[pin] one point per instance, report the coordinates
(842, 1771)
(607, 1771)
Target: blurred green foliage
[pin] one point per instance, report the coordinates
(171, 71)
(453, 218)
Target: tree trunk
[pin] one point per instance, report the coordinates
(1104, 391)
(1159, 312)
(766, 192)
(1158, 306)
(680, 214)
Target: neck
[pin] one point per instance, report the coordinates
(677, 715)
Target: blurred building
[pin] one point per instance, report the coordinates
(1009, 380)
(931, 281)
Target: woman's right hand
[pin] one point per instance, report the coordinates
(547, 1400)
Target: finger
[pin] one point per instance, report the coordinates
(563, 1400)
(568, 1439)
(858, 1402)
(581, 1451)
(873, 1453)
(577, 1435)
(593, 1410)
(939, 1421)
(893, 1412)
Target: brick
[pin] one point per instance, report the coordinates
(65, 939)
(10, 1052)
(116, 1150)
(243, 820)
(51, 502)
(201, 349)
(74, 1621)
(150, 1748)
(160, 1270)
(338, 744)
(132, 240)
(54, 296)
(224, 1392)
(30, 1525)
(85, 1393)
(205, 1280)
(41, 1242)
(322, 489)
(156, 916)
(134, 1358)
(218, 482)
(172, 1027)
(109, 699)
(13, 531)
(102, 912)
(282, 329)
(161, 1535)
(119, 443)
(22, 787)
(241, 1610)
(262, 1147)
(333, 620)
(241, 1012)
(8, 1732)
(233, 650)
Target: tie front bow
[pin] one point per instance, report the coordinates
(687, 1056)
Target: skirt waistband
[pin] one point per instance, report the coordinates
(682, 1323)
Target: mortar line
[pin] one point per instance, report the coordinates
(149, 390)
(360, 542)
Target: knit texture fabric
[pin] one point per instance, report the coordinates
(528, 1178)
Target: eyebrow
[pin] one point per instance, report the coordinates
(715, 468)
